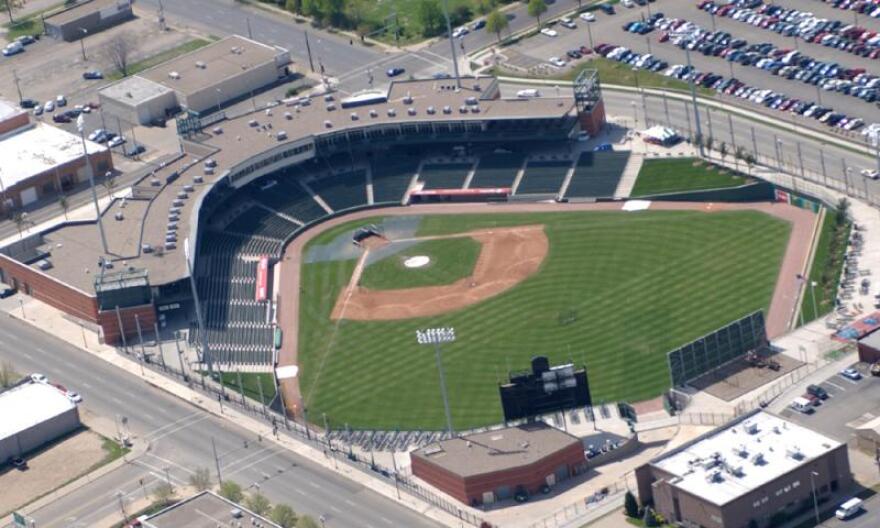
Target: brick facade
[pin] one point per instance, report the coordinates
(72, 301)
(593, 121)
(531, 477)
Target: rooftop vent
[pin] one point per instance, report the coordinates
(188, 188)
(741, 451)
(354, 116)
(751, 427)
(431, 110)
(407, 99)
(217, 130)
(147, 248)
(288, 116)
(758, 459)
(411, 111)
(391, 112)
(795, 453)
(447, 109)
(331, 107)
(374, 113)
(328, 124)
(471, 101)
(198, 178)
(119, 215)
(714, 476)
(281, 135)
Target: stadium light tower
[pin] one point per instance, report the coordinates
(437, 336)
(451, 43)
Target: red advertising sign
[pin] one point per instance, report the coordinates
(263, 278)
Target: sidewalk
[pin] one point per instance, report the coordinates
(54, 322)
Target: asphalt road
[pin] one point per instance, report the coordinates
(180, 440)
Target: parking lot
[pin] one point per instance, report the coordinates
(849, 404)
(609, 29)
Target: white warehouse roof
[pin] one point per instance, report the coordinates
(37, 150)
(28, 405)
(738, 458)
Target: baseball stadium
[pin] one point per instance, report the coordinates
(314, 238)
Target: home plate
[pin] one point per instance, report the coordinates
(417, 261)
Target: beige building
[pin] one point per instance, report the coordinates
(200, 81)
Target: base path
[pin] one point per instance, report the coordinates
(782, 304)
(508, 256)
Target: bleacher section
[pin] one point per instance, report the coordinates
(342, 191)
(444, 176)
(235, 322)
(597, 174)
(391, 178)
(543, 177)
(260, 222)
(496, 170)
(289, 197)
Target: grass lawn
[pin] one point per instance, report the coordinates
(662, 176)
(617, 292)
(451, 259)
(613, 72)
(826, 268)
(250, 382)
(149, 62)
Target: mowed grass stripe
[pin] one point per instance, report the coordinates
(641, 284)
(450, 259)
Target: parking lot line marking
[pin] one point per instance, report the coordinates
(850, 381)
(836, 386)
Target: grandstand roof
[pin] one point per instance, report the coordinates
(75, 260)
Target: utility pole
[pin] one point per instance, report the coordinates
(216, 461)
(694, 102)
(80, 125)
(16, 79)
(309, 52)
(248, 21)
(203, 336)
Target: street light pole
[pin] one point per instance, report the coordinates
(815, 500)
(436, 336)
(216, 461)
(82, 42)
(203, 336)
(80, 125)
(687, 53)
(451, 43)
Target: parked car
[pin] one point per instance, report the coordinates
(13, 48)
(556, 61)
(851, 373)
(116, 142)
(26, 40)
(6, 290)
(74, 396)
(802, 405)
(587, 17)
(848, 509)
(92, 75)
(460, 32)
(61, 118)
(28, 103)
(549, 32)
(479, 24)
(567, 22)
(394, 72)
(49, 106)
(60, 101)
(36, 377)
(134, 150)
(38, 110)
(817, 391)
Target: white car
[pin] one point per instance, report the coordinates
(627, 3)
(872, 174)
(567, 22)
(36, 377)
(115, 142)
(60, 101)
(38, 110)
(851, 373)
(96, 133)
(588, 17)
(549, 32)
(556, 61)
(74, 396)
(49, 106)
(528, 93)
(460, 32)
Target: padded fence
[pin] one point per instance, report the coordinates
(714, 350)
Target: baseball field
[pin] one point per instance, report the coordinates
(612, 290)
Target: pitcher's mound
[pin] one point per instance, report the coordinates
(419, 261)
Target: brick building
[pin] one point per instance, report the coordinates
(39, 160)
(84, 18)
(491, 466)
(755, 471)
(869, 347)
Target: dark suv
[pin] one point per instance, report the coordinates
(818, 392)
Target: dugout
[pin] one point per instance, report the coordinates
(460, 195)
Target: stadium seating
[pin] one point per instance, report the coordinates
(444, 176)
(597, 174)
(391, 178)
(543, 177)
(496, 170)
(342, 191)
(289, 197)
(260, 222)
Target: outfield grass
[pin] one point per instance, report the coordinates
(451, 259)
(826, 269)
(617, 292)
(159, 58)
(662, 176)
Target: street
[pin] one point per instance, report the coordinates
(180, 437)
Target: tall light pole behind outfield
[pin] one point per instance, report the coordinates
(203, 336)
(687, 54)
(451, 43)
(436, 336)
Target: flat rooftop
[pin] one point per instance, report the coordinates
(75, 249)
(499, 450)
(82, 9)
(211, 64)
(39, 149)
(135, 89)
(28, 405)
(735, 459)
(205, 510)
(872, 340)
(8, 110)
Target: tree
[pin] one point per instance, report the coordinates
(283, 515)
(7, 374)
(163, 493)
(201, 479)
(258, 503)
(738, 155)
(485, 6)
(710, 141)
(750, 160)
(294, 6)
(536, 9)
(119, 50)
(430, 16)
(307, 522)
(496, 22)
(630, 505)
(722, 149)
(842, 211)
(650, 520)
(231, 491)
(355, 11)
(20, 219)
(65, 205)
